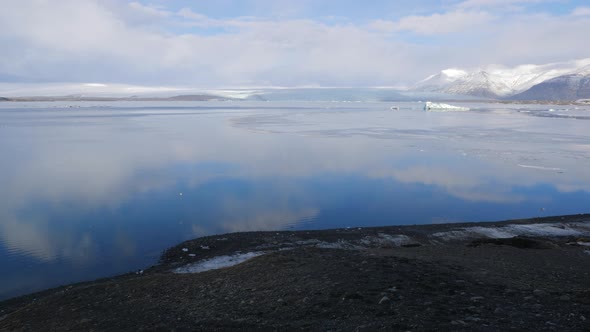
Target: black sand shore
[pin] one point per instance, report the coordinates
(517, 275)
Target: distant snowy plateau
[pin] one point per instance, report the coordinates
(554, 81)
(563, 81)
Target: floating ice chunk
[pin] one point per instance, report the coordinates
(430, 106)
(217, 262)
(541, 167)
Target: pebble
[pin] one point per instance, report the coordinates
(564, 298)
(539, 292)
(384, 300)
(477, 298)
(458, 322)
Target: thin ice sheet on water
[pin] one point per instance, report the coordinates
(218, 262)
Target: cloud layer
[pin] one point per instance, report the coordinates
(132, 42)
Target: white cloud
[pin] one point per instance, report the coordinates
(497, 3)
(581, 11)
(188, 13)
(539, 39)
(115, 41)
(149, 10)
(445, 23)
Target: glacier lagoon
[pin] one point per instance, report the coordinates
(93, 189)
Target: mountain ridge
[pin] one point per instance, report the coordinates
(565, 87)
(500, 82)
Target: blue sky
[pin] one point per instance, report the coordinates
(231, 43)
(352, 10)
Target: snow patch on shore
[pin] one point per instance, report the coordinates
(545, 230)
(502, 232)
(386, 240)
(380, 240)
(340, 244)
(218, 262)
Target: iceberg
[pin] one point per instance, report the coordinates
(430, 106)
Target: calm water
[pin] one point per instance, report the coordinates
(102, 188)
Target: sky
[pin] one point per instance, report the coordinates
(291, 43)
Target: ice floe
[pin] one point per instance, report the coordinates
(218, 262)
(430, 106)
(541, 167)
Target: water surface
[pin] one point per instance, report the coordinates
(95, 189)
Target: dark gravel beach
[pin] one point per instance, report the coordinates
(460, 277)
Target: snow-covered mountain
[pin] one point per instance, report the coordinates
(496, 81)
(565, 87)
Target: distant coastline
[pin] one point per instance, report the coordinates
(209, 97)
(196, 97)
